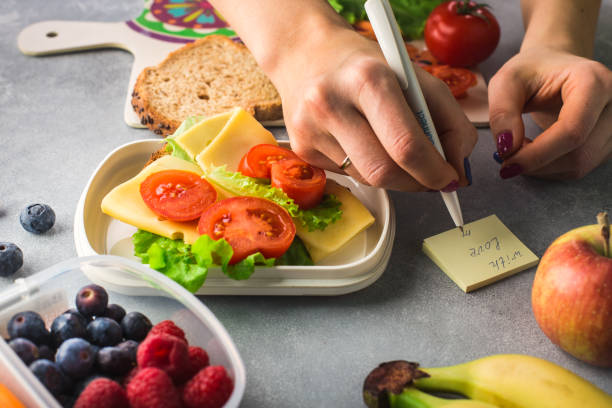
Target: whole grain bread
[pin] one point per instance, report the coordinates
(209, 76)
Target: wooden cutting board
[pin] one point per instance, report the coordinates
(162, 27)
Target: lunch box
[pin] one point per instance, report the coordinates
(53, 290)
(358, 264)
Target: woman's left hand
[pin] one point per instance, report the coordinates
(568, 96)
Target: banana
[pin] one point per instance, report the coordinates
(413, 398)
(516, 381)
(390, 386)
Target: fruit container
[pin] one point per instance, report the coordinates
(52, 291)
(358, 264)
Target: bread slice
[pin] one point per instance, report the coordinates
(209, 76)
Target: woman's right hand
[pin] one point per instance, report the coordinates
(340, 98)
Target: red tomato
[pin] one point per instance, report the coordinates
(461, 33)
(257, 161)
(249, 225)
(300, 181)
(459, 80)
(177, 195)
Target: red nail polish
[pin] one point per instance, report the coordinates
(504, 143)
(510, 170)
(452, 186)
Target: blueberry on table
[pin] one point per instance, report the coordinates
(91, 300)
(75, 357)
(104, 331)
(115, 312)
(11, 258)
(67, 326)
(50, 374)
(114, 360)
(30, 325)
(37, 218)
(135, 326)
(25, 349)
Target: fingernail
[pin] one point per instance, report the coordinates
(468, 170)
(510, 170)
(497, 158)
(452, 186)
(504, 143)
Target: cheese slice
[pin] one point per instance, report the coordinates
(241, 132)
(125, 203)
(355, 218)
(199, 136)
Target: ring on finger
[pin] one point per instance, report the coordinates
(345, 163)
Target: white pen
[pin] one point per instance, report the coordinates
(392, 44)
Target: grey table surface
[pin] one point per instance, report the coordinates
(62, 114)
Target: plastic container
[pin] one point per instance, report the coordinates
(357, 265)
(53, 290)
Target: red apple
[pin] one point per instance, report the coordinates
(572, 295)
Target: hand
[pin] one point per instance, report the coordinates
(340, 98)
(568, 96)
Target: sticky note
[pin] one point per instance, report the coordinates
(486, 251)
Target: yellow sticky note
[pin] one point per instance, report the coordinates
(486, 251)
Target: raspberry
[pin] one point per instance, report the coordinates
(152, 388)
(168, 327)
(102, 393)
(209, 388)
(166, 352)
(198, 359)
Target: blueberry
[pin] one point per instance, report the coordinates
(104, 332)
(11, 258)
(115, 312)
(91, 300)
(47, 352)
(84, 320)
(37, 218)
(114, 360)
(75, 357)
(135, 326)
(131, 347)
(67, 326)
(50, 374)
(29, 325)
(25, 349)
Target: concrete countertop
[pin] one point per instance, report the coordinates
(62, 114)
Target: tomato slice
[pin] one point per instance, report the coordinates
(300, 181)
(459, 80)
(249, 225)
(177, 195)
(257, 161)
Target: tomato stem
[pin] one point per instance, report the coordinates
(467, 7)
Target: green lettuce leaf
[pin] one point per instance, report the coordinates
(297, 254)
(411, 15)
(173, 147)
(351, 10)
(317, 218)
(176, 150)
(188, 264)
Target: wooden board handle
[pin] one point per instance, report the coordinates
(51, 37)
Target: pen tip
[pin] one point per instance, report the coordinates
(461, 228)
